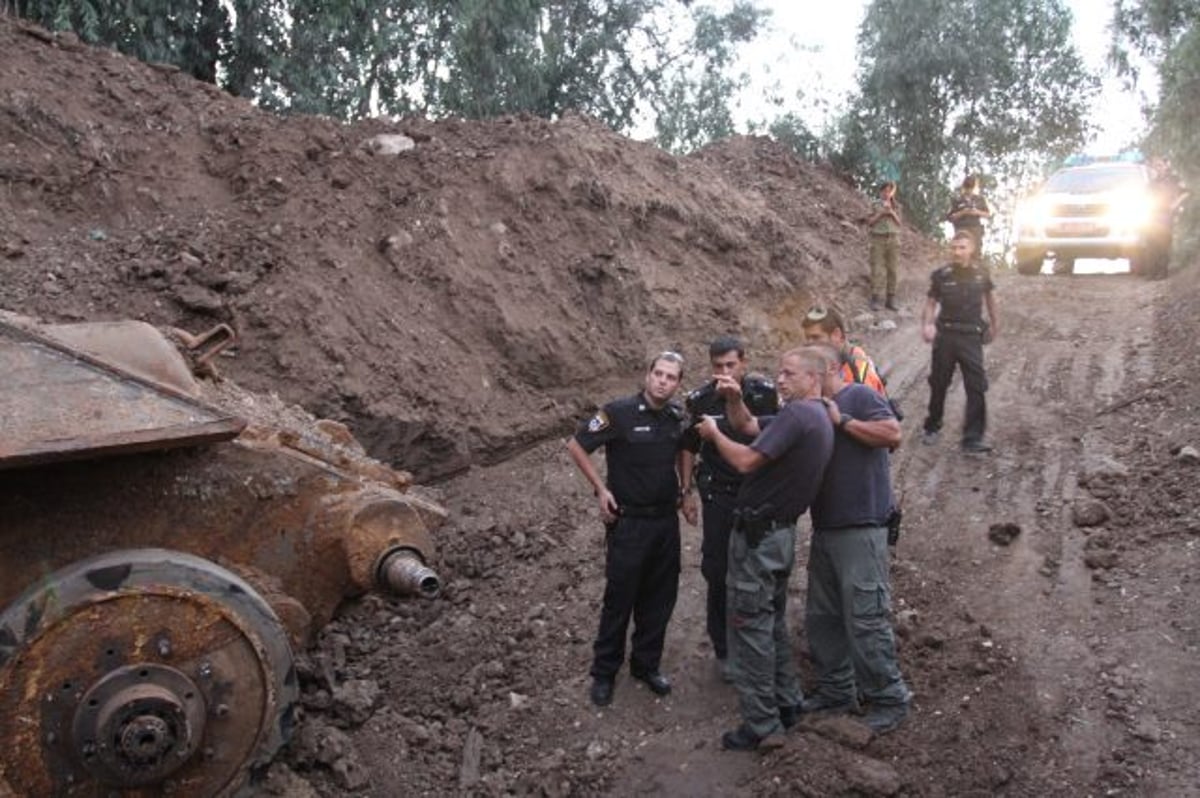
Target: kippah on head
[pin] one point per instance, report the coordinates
(827, 319)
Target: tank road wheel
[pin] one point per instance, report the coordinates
(141, 668)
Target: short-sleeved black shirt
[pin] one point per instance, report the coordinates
(797, 444)
(960, 290)
(761, 399)
(857, 488)
(968, 201)
(640, 445)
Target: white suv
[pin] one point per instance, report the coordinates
(1101, 210)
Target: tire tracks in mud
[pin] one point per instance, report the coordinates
(1068, 347)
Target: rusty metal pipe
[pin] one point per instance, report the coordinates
(402, 572)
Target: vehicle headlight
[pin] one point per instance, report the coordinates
(1130, 209)
(1033, 212)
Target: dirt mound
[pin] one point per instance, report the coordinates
(451, 302)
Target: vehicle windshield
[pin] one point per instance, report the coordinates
(1093, 180)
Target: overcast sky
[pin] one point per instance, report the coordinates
(812, 50)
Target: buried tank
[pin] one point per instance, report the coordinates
(165, 545)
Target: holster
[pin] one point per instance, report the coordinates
(755, 524)
(893, 525)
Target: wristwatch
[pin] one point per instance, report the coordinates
(843, 421)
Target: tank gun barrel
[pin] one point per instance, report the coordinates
(402, 572)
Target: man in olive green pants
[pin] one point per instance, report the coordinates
(884, 228)
(784, 464)
(848, 608)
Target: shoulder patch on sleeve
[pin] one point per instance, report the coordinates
(598, 422)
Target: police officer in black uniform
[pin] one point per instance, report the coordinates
(953, 321)
(639, 504)
(716, 480)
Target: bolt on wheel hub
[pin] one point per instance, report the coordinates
(138, 724)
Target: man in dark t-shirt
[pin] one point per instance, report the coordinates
(847, 615)
(784, 464)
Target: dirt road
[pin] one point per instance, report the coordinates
(1062, 663)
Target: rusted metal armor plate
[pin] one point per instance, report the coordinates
(57, 403)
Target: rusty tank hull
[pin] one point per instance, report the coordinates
(165, 545)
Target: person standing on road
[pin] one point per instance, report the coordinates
(953, 321)
(784, 464)
(717, 481)
(883, 225)
(967, 211)
(639, 505)
(847, 615)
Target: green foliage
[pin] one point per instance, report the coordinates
(475, 58)
(791, 131)
(980, 85)
(1165, 35)
(693, 106)
(187, 33)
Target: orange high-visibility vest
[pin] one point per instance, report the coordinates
(857, 366)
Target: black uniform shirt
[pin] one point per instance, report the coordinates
(960, 290)
(640, 445)
(963, 201)
(761, 399)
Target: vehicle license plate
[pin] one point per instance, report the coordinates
(1077, 228)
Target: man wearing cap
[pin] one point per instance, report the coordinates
(639, 504)
(783, 467)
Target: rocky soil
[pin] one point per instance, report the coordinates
(461, 302)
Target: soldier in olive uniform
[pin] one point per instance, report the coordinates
(883, 225)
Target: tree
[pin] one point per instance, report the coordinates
(1165, 35)
(693, 107)
(946, 87)
(186, 33)
(476, 58)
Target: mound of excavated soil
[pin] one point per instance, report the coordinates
(459, 304)
(453, 302)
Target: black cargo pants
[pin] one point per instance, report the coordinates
(642, 564)
(963, 349)
(714, 564)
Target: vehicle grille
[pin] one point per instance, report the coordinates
(1076, 211)
(1077, 231)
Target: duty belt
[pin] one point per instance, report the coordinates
(961, 326)
(760, 528)
(647, 510)
(755, 529)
